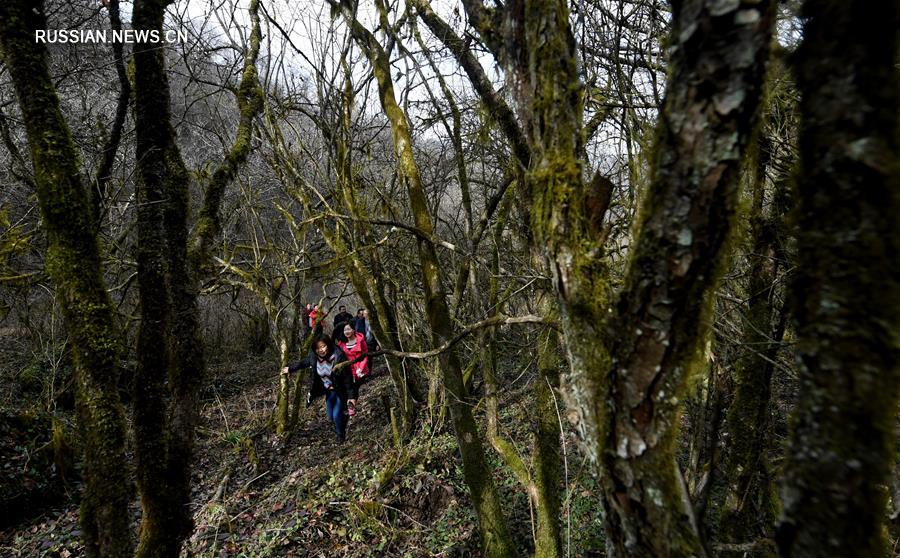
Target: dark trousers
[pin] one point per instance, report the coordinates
(334, 410)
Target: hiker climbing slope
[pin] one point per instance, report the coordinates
(336, 384)
(354, 347)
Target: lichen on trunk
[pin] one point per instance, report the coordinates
(847, 290)
(73, 262)
(717, 69)
(628, 373)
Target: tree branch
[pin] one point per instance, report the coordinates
(493, 321)
(498, 107)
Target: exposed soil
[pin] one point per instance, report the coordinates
(256, 495)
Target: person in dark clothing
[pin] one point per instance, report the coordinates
(364, 326)
(341, 318)
(307, 328)
(324, 379)
(359, 323)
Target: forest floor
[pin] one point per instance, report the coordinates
(255, 495)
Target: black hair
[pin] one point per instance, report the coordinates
(360, 310)
(339, 331)
(323, 339)
(342, 308)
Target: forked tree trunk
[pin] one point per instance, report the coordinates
(160, 451)
(74, 263)
(169, 343)
(712, 103)
(628, 376)
(847, 291)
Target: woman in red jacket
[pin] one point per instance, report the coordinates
(354, 346)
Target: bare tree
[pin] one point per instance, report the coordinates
(74, 263)
(847, 291)
(170, 349)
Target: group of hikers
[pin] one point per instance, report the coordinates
(350, 340)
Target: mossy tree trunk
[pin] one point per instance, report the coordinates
(162, 195)
(73, 262)
(534, 42)
(716, 78)
(546, 455)
(169, 344)
(367, 276)
(495, 537)
(250, 101)
(847, 291)
(533, 148)
(541, 481)
(748, 512)
(628, 416)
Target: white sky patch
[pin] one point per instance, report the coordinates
(301, 40)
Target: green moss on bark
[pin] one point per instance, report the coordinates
(250, 99)
(847, 292)
(747, 510)
(546, 455)
(496, 541)
(73, 262)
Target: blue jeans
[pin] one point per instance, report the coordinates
(334, 410)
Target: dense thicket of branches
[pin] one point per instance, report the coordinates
(682, 215)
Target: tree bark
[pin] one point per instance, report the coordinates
(628, 416)
(495, 538)
(713, 97)
(542, 480)
(539, 52)
(546, 455)
(847, 291)
(160, 451)
(73, 262)
(749, 511)
(169, 343)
